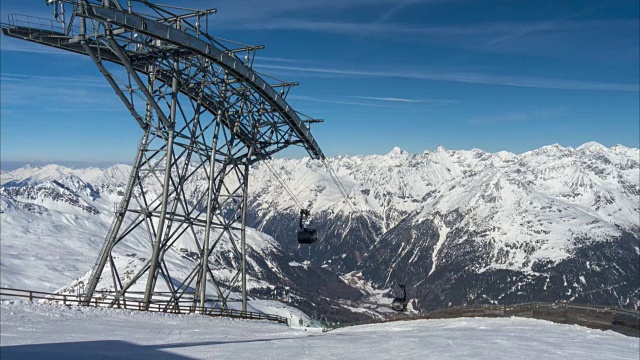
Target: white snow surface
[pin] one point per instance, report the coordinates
(44, 331)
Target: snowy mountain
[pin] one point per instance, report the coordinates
(553, 224)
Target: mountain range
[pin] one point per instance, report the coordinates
(456, 226)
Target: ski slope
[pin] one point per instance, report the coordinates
(42, 331)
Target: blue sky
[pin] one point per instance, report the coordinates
(497, 75)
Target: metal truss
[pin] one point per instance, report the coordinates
(204, 113)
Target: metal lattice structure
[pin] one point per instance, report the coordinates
(204, 113)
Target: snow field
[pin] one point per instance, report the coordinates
(43, 331)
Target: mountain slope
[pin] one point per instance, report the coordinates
(54, 226)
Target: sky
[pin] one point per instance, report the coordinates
(497, 75)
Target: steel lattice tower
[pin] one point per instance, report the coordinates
(204, 113)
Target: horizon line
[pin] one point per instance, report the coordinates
(108, 163)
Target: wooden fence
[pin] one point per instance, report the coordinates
(623, 321)
(103, 300)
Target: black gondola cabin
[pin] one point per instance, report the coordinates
(306, 235)
(400, 303)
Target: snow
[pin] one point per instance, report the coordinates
(43, 331)
(396, 151)
(304, 264)
(443, 230)
(591, 146)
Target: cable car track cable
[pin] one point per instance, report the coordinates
(344, 193)
(375, 245)
(323, 237)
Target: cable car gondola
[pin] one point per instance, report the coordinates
(400, 304)
(306, 235)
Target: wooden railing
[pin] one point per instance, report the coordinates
(624, 321)
(180, 307)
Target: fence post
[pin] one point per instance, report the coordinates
(64, 299)
(30, 296)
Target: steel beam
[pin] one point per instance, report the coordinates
(210, 211)
(153, 269)
(117, 221)
(243, 244)
(115, 47)
(228, 61)
(107, 75)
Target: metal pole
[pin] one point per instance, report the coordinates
(245, 190)
(153, 267)
(243, 231)
(102, 257)
(115, 47)
(107, 75)
(83, 20)
(207, 231)
(115, 228)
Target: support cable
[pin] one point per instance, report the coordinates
(284, 185)
(345, 194)
(322, 237)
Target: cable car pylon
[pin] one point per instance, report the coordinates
(204, 113)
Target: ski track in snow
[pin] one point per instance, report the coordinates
(43, 331)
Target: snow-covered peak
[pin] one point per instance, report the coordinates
(394, 185)
(631, 153)
(35, 174)
(396, 151)
(115, 174)
(523, 210)
(554, 149)
(592, 146)
(619, 148)
(505, 155)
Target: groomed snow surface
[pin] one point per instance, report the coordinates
(42, 331)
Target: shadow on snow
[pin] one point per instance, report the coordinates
(106, 349)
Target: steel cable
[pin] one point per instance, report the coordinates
(322, 236)
(338, 183)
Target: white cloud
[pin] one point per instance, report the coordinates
(332, 101)
(393, 99)
(470, 78)
(403, 100)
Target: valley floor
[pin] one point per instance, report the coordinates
(42, 331)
